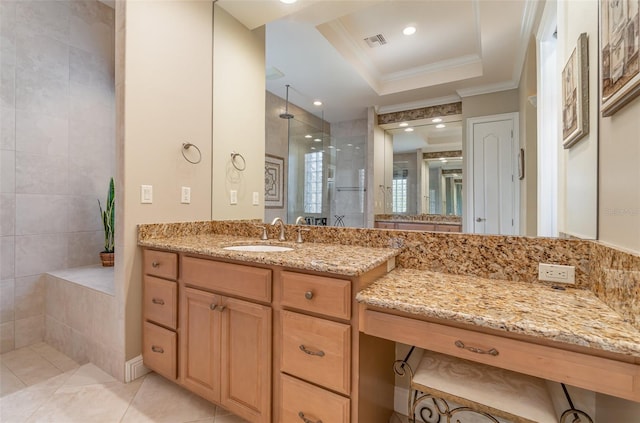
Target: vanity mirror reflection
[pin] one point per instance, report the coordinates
(307, 49)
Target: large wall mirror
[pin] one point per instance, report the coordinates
(419, 168)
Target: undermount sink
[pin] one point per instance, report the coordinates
(259, 248)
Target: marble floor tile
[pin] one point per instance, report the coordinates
(9, 383)
(86, 394)
(162, 401)
(30, 367)
(55, 357)
(98, 403)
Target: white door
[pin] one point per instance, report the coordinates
(495, 185)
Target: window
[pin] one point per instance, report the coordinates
(313, 182)
(399, 187)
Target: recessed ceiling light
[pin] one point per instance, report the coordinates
(288, 1)
(436, 120)
(440, 125)
(308, 136)
(357, 148)
(313, 148)
(403, 124)
(349, 145)
(408, 130)
(444, 161)
(317, 140)
(410, 30)
(331, 146)
(337, 149)
(317, 103)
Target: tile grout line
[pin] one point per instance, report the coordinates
(132, 399)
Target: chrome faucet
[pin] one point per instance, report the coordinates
(279, 221)
(299, 223)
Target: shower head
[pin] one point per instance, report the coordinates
(286, 114)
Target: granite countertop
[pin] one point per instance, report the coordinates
(345, 260)
(572, 316)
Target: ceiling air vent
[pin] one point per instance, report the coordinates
(375, 41)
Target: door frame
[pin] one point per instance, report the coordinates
(467, 222)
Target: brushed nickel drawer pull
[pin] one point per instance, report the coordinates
(157, 349)
(158, 301)
(306, 351)
(306, 420)
(308, 295)
(212, 306)
(492, 351)
(155, 264)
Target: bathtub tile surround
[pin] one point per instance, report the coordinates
(57, 148)
(610, 273)
(79, 317)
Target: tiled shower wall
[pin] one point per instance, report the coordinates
(57, 140)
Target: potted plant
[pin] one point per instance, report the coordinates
(108, 221)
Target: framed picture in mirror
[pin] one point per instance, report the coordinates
(273, 182)
(619, 54)
(575, 94)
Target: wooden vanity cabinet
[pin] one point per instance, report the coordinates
(159, 312)
(225, 353)
(323, 372)
(417, 225)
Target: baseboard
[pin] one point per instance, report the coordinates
(133, 369)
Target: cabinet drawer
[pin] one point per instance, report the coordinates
(159, 350)
(448, 228)
(318, 294)
(160, 297)
(161, 264)
(227, 278)
(317, 350)
(315, 404)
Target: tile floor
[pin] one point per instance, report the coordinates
(40, 384)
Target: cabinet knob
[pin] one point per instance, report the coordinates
(308, 295)
(305, 419)
(221, 308)
(212, 306)
(155, 264)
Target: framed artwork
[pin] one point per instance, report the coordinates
(575, 94)
(273, 182)
(619, 54)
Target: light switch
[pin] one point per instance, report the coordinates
(146, 194)
(233, 196)
(185, 196)
(256, 198)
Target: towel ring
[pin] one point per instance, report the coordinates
(186, 146)
(234, 161)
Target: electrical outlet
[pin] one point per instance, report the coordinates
(185, 197)
(256, 198)
(233, 196)
(556, 273)
(146, 194)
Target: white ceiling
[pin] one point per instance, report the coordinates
(461, 48)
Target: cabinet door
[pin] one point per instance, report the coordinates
(200, 341)
(246, 360)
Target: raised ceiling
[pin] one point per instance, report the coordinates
(460, 48)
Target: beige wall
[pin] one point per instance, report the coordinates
(164, 91)
(578, 178)
(239, 116)
(619, 178)
(529, 142)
